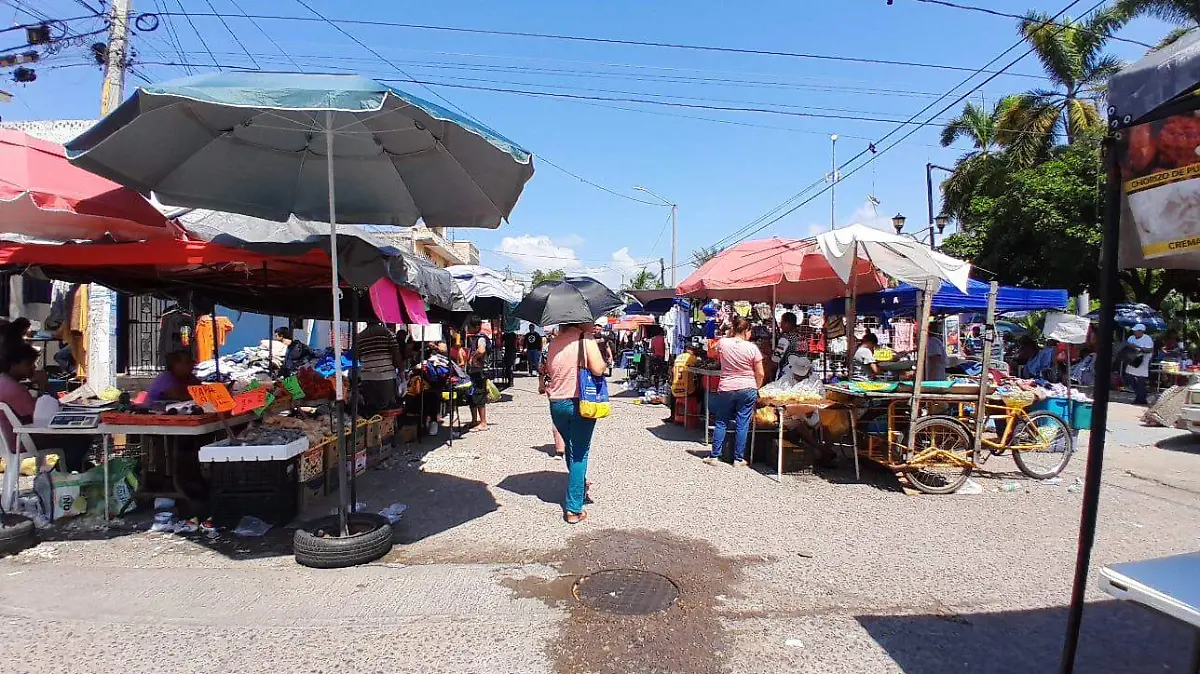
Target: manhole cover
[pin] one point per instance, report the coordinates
(626, 591)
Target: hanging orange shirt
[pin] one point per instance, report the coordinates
(204, 335)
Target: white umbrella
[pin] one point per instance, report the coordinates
(900, 257)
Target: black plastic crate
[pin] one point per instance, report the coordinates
(277, 508)
(251, 476)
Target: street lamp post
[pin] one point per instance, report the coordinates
(937, 226)
(833, 180)
(674, 227)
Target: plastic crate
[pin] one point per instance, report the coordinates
(1058, 406)
(1077, 414)
(1081, 416)
(265, 489)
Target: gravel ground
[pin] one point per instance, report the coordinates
(817, 574)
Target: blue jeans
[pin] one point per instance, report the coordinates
(534, 358)
(577, 434)
(736, 406)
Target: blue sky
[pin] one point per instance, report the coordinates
(723, 174)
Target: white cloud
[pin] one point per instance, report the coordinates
(540, 252)
(571, 240)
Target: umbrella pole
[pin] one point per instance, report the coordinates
(355, 388)
(1110, 290)
(985, 378)
(336, 327)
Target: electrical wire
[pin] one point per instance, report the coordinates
(267, 35)
(197, 32)
(173, 36)
(232, 34)
(877, 153)
(1007, 15)
(624, 42)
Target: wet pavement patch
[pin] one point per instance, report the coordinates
(609, 578)
(626, 591)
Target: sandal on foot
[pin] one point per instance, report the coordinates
(576, 518)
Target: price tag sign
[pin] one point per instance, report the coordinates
(292, 384)
(250, 400)
(270, 399)
(213, 397)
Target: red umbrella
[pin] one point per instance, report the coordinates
(43, 196)
(792, 271)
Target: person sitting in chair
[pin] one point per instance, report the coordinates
(18, 363)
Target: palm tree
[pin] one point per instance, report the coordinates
(1185, 14)
(704, 254)
(974, 168)
(643, 280)
(1071, 54)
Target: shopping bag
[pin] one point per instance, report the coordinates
(593, 389)
(493, 392)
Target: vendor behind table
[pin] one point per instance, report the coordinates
(17, 363)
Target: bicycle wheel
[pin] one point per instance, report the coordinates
(942, 455)
(1042, 445)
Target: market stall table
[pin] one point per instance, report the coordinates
(106, 431)
(793, 411)
(1168, 586)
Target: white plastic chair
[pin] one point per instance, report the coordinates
(12, 459)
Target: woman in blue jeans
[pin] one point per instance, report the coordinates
(561, 385)
(737, 394)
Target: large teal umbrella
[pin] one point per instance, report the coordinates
(321, 147)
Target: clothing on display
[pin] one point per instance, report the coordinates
(204, 335)
(904, 336)
(176, 331)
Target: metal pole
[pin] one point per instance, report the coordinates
(929, 190)
(355, 387)
(335, 328)
(674, 241)
(1103, 363)
(833, 179)
(922, 347)
(984, 377)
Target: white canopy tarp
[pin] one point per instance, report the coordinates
(475, 282)
(900, 257)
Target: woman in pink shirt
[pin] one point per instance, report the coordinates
(568, 352)
(741, 375)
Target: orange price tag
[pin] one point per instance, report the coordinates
(249, 401)
(213, 397)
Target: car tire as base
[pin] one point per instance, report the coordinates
(373, 540)
(16, 534)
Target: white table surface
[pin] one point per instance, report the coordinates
(136, 429)
(1170, 585)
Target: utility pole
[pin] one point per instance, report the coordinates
(662, 275)
(102, 335)
(833, 180)
(674, 241)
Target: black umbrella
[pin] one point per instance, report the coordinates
(573, 300)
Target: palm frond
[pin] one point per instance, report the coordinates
(1172, 37)
(1082, 117)
(1182, 12)
(1028, 129)
(1052, 44)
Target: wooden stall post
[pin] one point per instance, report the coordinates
(922, 345)
(989, 331)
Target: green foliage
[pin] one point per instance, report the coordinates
(704, 254)
(644, 280)
(548, 275)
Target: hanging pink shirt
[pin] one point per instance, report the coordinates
(738, 359)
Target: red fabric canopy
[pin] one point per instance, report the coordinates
(172, 259)
(43, 196)
(791, 271)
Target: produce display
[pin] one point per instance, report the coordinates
(780, 393)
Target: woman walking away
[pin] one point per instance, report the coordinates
(563, 361)
(737, 393)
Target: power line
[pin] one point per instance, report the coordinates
(877, 153)
(1007, 15)
(232, 34)
(624, 42)
(197, 32)
(173, 36)
(267, 35)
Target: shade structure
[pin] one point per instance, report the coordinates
(1129, 315)
(43, 197)
(899, 257)
(657, 301)
(579, 299)
(274, 145)
(905, 299)
(793, 271)
(256, 143)
(364, 257)
(628, 322)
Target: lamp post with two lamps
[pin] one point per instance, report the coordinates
(939, 225)
(674, 227)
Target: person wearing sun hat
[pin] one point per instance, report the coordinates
(1137, 370)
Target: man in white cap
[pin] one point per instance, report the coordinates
(1137, 370)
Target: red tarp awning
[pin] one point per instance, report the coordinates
(44, 196)
(790, 271)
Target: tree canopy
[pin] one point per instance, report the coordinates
(548, 275)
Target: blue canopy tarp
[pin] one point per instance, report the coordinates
(903, 300)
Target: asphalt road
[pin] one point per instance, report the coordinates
(817, 574)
